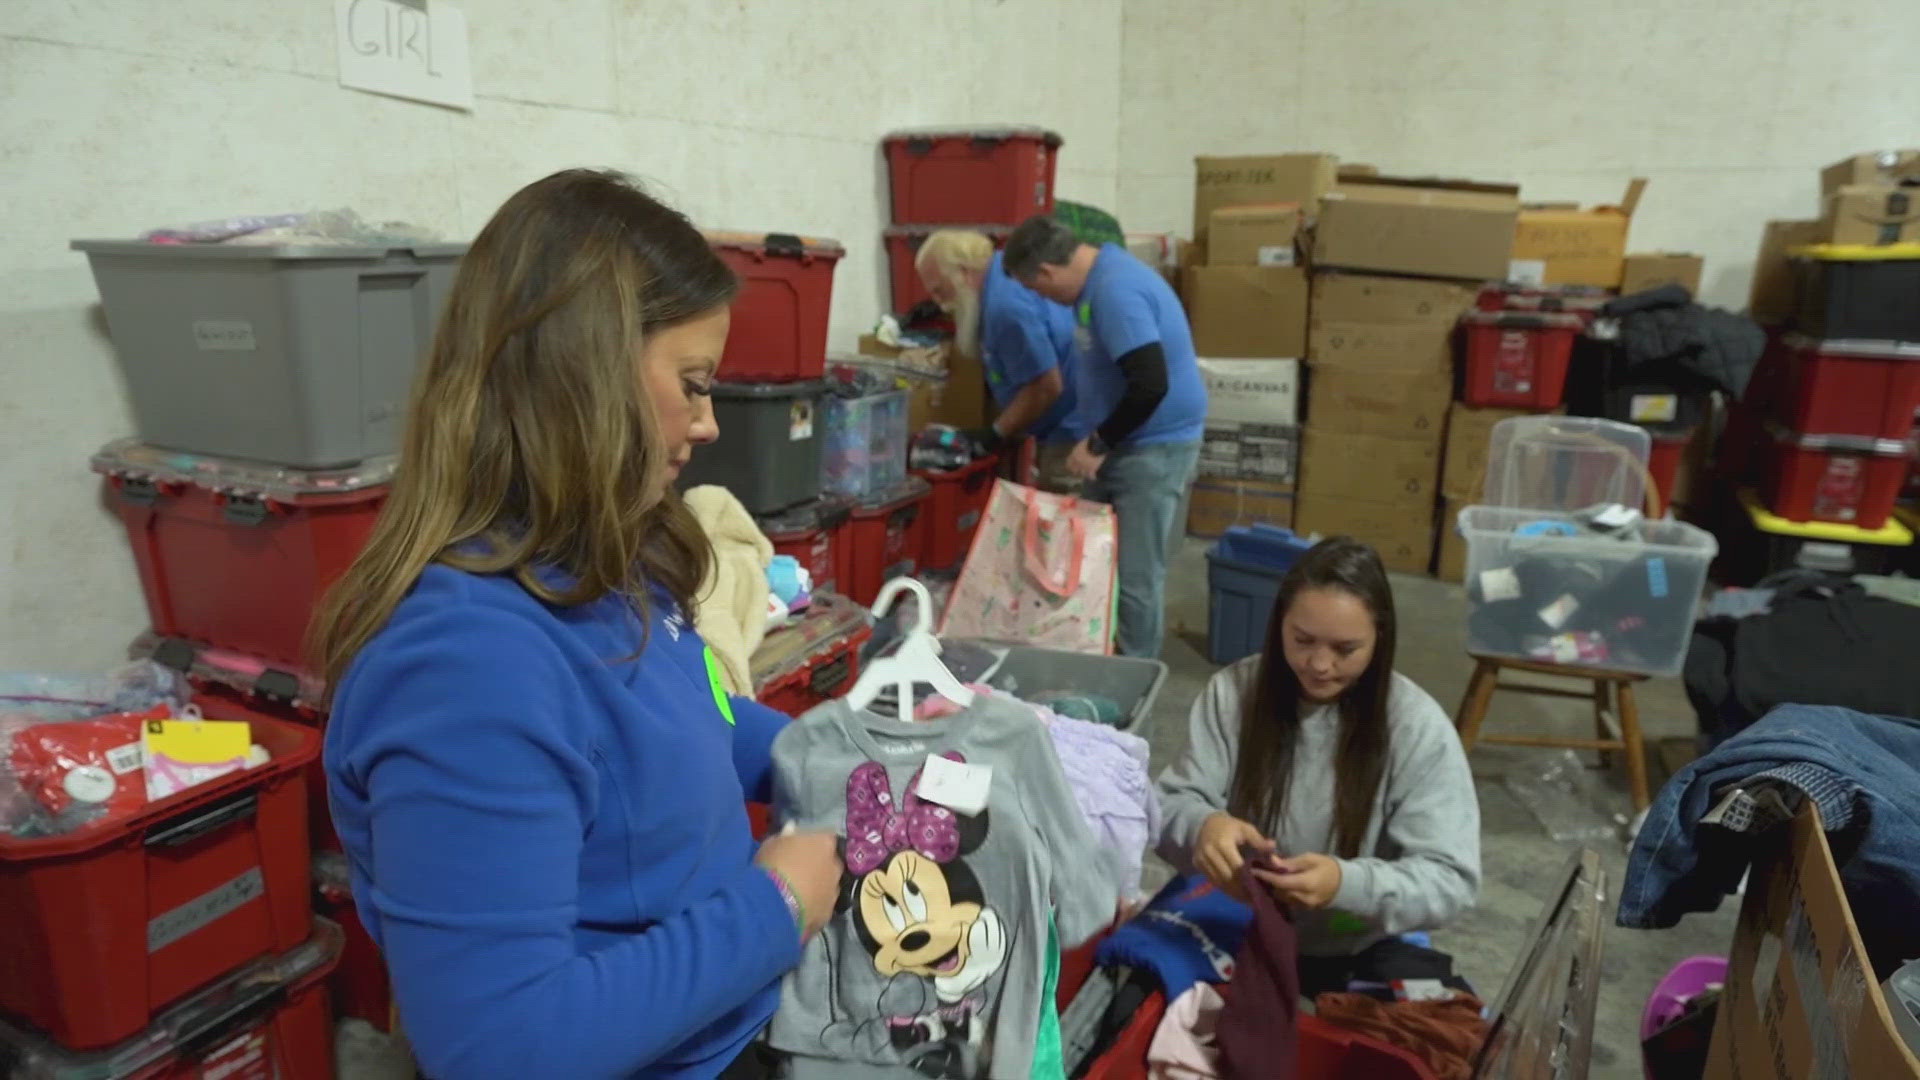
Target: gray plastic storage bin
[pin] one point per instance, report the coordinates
(295, 355)
(1131, 681)
(768, 453)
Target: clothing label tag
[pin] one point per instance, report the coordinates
(959, 787)
(1497, 585)
(1616, 516)
(1557, 613)
(126, 758)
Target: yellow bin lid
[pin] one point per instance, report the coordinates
(1892, 534)
(1856, 252)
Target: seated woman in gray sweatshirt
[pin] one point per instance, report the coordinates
(1339, 779)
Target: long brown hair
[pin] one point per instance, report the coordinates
(1270, 722)
(530, 429)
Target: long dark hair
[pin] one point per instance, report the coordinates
(1270, 722)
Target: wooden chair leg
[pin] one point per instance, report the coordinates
(1473, 707)
(1602, 702)
(1636, 754)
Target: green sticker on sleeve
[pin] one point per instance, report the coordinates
(1346, 923)
(719, 685)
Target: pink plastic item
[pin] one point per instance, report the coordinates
(1688, 978)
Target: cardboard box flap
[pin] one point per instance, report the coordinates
(1426, 183)
(1631, 201)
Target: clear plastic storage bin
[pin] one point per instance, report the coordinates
(865, 451)
(1540, 587)
(1566, 462)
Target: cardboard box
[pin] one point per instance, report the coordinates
(1449, 229)
(1254, 235)
(1215, 506)
(1799, 1002)
(1561, 244)
(1402, 531)
(1400, 471)
(1449, 547)
(1250, 451)
(1267, 178)
(1653, 270)
(1366, 298)
(1858, 214)
(1252, 391)
(1884, 168)
(1365, 400)
(1383, 346)
(1247, 311)
(1772, 298)
(1464, 474)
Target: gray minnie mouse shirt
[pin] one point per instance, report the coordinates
(934, 959)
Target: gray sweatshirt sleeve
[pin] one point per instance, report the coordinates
(1430, 840)
(1194, 788)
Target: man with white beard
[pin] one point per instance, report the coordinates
(1022, 339)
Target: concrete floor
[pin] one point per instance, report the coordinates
(1518, 858)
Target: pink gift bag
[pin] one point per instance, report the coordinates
(1041, 571)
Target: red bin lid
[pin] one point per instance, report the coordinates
(991, 131)
(130, 459)
(772, 243)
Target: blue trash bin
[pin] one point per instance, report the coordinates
(1244, 568)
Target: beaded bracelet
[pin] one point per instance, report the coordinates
(794, 906)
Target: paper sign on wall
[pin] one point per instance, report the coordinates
(414, 49)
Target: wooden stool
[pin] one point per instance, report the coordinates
(1608, 686)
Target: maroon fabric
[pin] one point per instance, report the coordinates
(1259, 1035)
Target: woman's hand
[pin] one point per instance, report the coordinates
(1216, 851)
(810, 861)
(1303, 881)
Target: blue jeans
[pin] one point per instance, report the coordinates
(1145, 485)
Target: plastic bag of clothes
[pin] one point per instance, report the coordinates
(69, 744)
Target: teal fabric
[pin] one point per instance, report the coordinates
(1049, 1061)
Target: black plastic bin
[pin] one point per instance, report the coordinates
(768, 453)
(1601, 382)
(1858, 293)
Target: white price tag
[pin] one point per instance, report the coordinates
(127, 758)
(959, 787)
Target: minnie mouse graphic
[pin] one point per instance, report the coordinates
(922, 915)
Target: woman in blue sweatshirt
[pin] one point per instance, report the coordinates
(536, 774)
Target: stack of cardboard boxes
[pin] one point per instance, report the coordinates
(1396, 262)
(1246, 296)
(1866, 199)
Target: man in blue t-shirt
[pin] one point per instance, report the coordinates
(1140, 400)
(1023, 340)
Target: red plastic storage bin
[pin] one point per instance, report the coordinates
(812, 659)
(888, 534)
(108, 925)
(237, 554)
(779, 328)
(1865, 389)
(1668, 450)
(963, 176)
(903, 245)
(267, 1021)
(955, 503)
(1836, 479)
(812, 533)
(360, 988)
(1518, 360)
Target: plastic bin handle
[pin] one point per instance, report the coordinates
(1069, 582)
(246, 1012)
(786, 244)
(828, 678)
(197, 823)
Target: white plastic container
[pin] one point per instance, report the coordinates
(1585, 599)
(1566, 462)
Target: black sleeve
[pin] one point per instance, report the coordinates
(1145, 369)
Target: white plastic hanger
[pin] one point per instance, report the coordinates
(916, 661)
